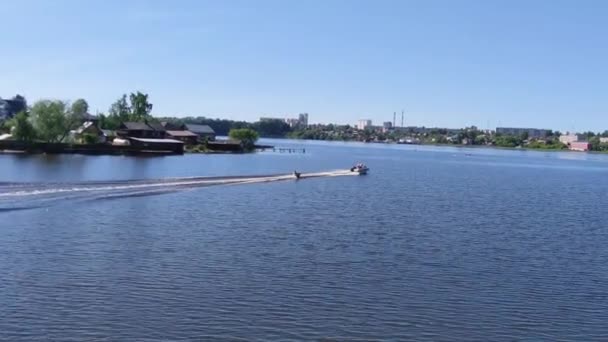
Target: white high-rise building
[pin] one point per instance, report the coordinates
(303, 119)
(364, 124)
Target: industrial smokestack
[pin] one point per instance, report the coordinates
(394, 118)
(402, 117)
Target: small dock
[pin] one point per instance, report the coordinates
(288, 150)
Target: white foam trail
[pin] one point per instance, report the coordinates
(178, 182)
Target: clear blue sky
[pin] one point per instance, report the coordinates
(447, 63)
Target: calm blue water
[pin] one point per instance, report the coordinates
(435, 244)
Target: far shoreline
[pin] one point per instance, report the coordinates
(489, 147)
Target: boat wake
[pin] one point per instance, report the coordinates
(14, 195)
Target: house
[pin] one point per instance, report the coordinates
(147, 135)
(203, 131)
(171, 126)
(532, 132)
(8, 108)
(142, 130)
(189, 138)
(582, 146)
(179, 131)
(387, 126)
(567, 139)
(157, 126)
(89, 132)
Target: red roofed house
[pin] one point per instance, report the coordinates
(582, 146)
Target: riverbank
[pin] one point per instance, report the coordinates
(219, 147)
(490, 147)
(88, 149)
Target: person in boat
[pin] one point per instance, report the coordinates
(296, 174)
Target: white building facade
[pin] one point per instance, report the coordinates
(364, 124)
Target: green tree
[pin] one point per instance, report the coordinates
(220, 126)
(102, 120)
(23, 130)
(272, 128)
(80, 108)
(589, 135)
(52, 120)
(507, 141)
(89, 139)
(120, 108)
(481, 139)
(5, 126)
(246, 136)
(595, 143)
(119, 112)
(140, 106)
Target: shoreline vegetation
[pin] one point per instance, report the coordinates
(52, 126)
(463, 137)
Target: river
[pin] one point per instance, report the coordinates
(435, 244)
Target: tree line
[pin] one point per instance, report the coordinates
(52, 120)
(273, 128)
(47, 120)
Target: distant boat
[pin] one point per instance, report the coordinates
(360, 169)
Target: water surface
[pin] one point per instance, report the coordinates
(434, 244)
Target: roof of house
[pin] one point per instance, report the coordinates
(89, 117)
(137, 126)
(166, 141)
(200, 129)
(157, 126)
(173, 126)
(85, 126)
(182, 134)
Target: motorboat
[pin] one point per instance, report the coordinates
(360, 169)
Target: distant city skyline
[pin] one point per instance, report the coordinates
(538, 64)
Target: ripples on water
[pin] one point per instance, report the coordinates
(430, 246)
